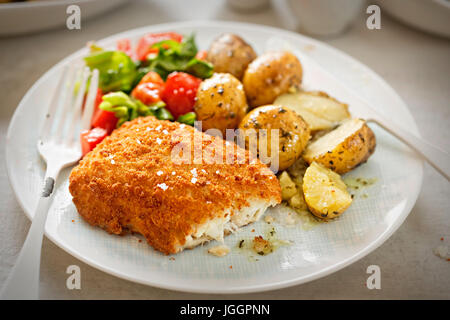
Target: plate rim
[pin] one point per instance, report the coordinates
(229, 290)
(44, 3)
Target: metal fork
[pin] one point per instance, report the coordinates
(59, 146)
(319, 77)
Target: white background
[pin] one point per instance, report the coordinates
(415, 64)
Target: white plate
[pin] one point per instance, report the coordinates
(314, 253)
(25, 17)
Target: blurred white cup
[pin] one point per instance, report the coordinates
(248, 5)
(324, 17)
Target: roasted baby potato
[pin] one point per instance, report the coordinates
(319, 110)
(271, 75)
(343, 148)
(221, 102)
(229, 53)
(325, 193)
(292, 129)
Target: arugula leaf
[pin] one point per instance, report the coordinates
(169, 47)
(199, 68)
(188, 46)
(174, 56)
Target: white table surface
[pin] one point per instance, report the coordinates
(415, 64)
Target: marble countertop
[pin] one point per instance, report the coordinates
(415, 64)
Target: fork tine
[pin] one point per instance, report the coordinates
(53, 107)
(90, 101)
(76, 109)
(67, 104)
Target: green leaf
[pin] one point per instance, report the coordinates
(119, 98)
(172, 63)
(93, 47)
(188, 47)
(116, 70)
(126, 108)
(173, 56)
(123, 106)
(188, 118)
(163, 114)
(157, 105)
(98, 57)
(199, 68)
(121, 112)
(168, 47)
(144, 110)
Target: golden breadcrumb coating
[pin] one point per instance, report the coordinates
(130, 182)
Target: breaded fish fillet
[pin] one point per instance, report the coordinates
(132, 182)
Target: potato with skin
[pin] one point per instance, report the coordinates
(325, 193)
(292, 129)
(270, 75)
(319, 110)
(229, 53)
(343, 148)
(220, 102)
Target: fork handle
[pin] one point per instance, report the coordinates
(23, 282)
(437, 158)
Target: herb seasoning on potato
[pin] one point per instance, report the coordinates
(293, 131)
(270, 75)
(343, 148)
(229, 53)
(221, 102)
(325, 193)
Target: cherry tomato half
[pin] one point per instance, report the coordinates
(101, 118)
(153, 77)
(149, 89)
(104, 119)
(90, 138)
(147, 93)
